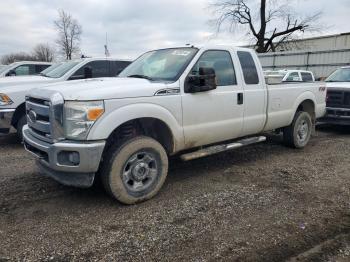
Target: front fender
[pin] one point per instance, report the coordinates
(112, 120)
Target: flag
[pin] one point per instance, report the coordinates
(106, 51)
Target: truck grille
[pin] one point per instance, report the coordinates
(38, 118)
(338, 98)
(45, 116)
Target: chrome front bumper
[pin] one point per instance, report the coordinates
(5, 120)
(71, 163)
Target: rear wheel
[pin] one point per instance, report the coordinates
(135, 171)
(298, 134)
(20, 124)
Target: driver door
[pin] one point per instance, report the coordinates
(214, 115)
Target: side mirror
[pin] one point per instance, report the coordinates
(87, 72)
(205, 81)
(11, 73)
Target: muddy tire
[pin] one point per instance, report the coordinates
(298, 134)
(135, 170)
(19, 127)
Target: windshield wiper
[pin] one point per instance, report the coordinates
(141, 76)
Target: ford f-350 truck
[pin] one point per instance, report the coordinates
(338, 98)
(187, 101)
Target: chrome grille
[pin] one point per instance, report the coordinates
(38, 118)
(44, 111)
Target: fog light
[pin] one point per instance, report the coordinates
(74, 158)
(68, 158)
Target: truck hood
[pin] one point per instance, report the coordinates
(338, 85)
(23, 80)
(105, 88)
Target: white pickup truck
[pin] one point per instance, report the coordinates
(338, 98)
(23, 68)
(14, 89)
(292, 75)
(186, 101)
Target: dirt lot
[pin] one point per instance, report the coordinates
(262, 203)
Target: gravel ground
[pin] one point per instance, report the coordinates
(264, 202)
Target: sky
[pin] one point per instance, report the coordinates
(136, 26)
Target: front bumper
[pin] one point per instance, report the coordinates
(71, 163)
(6, 120)
(336, 116)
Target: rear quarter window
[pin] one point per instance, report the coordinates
(250, 72)
(307, 77)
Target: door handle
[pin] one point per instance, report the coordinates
(240, 99)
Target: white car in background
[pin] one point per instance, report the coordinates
(279, 76)
(24, 68)
(14, 89)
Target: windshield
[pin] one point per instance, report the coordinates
(160, 65)
(340, 75)
(3, 68)
(61, 69)
(50, 68)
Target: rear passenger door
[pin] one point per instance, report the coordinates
(255, 95)
(214, 115)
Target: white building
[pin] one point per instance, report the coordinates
(322, 55)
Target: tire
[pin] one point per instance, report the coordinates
(298, 134)
(135, 170)
(20, 124)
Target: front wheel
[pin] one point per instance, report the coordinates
(298, 134)
(135, 171)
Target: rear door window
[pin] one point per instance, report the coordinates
(250, 73)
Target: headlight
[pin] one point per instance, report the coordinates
(80, 116)
(5, 100)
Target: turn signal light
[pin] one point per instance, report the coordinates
(94, 113)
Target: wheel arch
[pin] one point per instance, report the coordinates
(161, 126)
(305, 102)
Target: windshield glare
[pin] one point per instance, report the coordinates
(161, 65)
(61, 69)
(340, 75)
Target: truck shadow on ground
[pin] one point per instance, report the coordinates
(211, 167)
(9, 140)
(334, 129)
(186, 172)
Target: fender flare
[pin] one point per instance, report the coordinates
(300, 99)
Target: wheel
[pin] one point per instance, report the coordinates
(20, 124)
(298, 134)
(135, 170)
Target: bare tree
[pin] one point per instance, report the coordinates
(69, 33)
(270, 24)
(44, 52)
(15, 57)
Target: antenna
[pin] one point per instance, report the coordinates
(106, 48)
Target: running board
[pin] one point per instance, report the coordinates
(221, 148)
